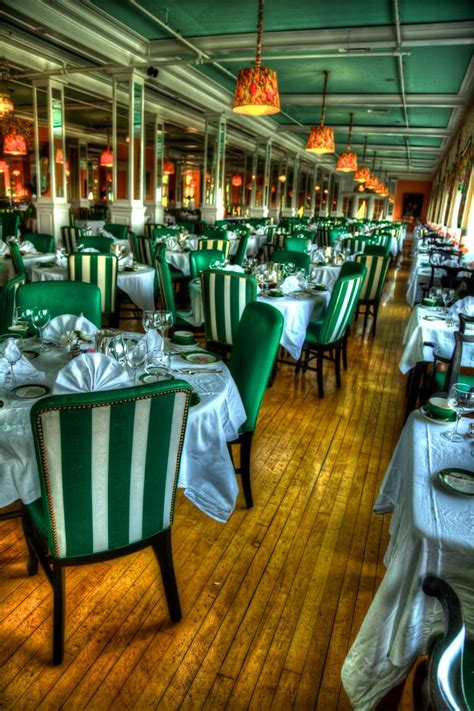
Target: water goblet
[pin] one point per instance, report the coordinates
(158, 364)
(163, 322)
(447, 296)
(39, 320)
(460, 399)
(135, 354)
(118, 351)
(11, 352)
(148, 320)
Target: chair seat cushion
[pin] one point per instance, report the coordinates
(440, 380)
(313, 331)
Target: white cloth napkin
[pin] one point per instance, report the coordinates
(290, 284)
(61, 260)
(154, 341)
(463, 306)
(28, 247)
(90, 372)
(233, 268)
(3, 248)
(65, 323)
(23, 370)
(90, 249)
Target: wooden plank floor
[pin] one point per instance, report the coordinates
(271, 600)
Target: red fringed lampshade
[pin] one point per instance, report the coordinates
(321, 140)
(347, 162)
(14, 143)
(362, 175)
(236, 181)
(59, 155)
(256, 92)
(168, 167)
(107, 158)
(6, 104)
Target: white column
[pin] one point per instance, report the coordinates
(154, 210)
(212, 208)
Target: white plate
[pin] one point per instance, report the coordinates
(434, 420)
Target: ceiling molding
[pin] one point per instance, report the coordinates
(412, 100)
(374, 130)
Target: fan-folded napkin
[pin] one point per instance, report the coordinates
(91, 372)
(60, 325)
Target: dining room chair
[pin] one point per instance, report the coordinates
(444, 681)
(41, 241)
(444, 379)
(142, 248)
(221, 244)
(8, 297)
(301, 260)
(10, 225)
(16, 256)
(296, 244)
(117, 231)
(374, 280)
(101, 270)
(166, 291)
(63, 297)
(213, 232)
(241, 252)
(100, 243)
(324, 339)
(201, 260)
(356, 245)
(108, 464)
(225, 295)
(251, 363)
(157, 231)
(69, 237)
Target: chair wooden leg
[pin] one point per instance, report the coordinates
(337, 365)
(366, 316)
(319, 373)
(32, 565)
(374, 324)
(164, 554)
(59, 584)
(245, 451)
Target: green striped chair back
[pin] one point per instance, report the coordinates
(99, 269)
(221, 244)
(341, 307)
(242, 247)
(69, 237)
(8, 300)
(287, 256)
(296, 244)
(10, 225)
(161, 231)
(225, 296)
(63, 297)
(42, 242)
(143, 249)
(199, 261)
(377, 268)
(72, 219)
(305, 233)
(355, 244)
(102, 244)
(117, 231)
(382, 240)
(279, 239)
(165, 282)
(16, 256)
(149, 227)
(216, 232)
(322, 236)
(108, 465)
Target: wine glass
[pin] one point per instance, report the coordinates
(447, 296)
(460, 399)
(158, 363)
(11, 351)
(163, 322)
(117, 350)
(148, 320)
(39, 320)
(135, 354)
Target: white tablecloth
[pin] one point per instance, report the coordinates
(420, 274)
(7, 270)
(327, 275)
(92, 227)
(432, 532)
(139, 285)
(207, 474)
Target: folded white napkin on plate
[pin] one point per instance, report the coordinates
(290, 284)
(90, 372)
(28, 247)
(3, 248)
(463, 306)
(65, 323)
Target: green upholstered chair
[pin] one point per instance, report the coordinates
(222, 244)
(165, 286)
(377, 268)
(324, 339)
(304, 233)
(162, 231)
(296, 244)
(225, 296)
(69, 237)
(16, 257)
(108, 464)
(143, 249)
(10, 225)
(102, 244)
(251, 363)
(150, 226)
(442, 380)
(42, 241)
(63, 297)
(213, 232)
(99, 269)
(199, 261)
(72, 219)
(8, 300)
(286, 256)
(376, 250)
(241, 253)
(355, 244)
(445, 681)
(117, 231)
(382, 240)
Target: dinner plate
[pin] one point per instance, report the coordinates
(459, 480)
(200, 357)
(435, 420)
(434, 318)
(318, 287)
(158, 376)
(30, 391)
(275, 293)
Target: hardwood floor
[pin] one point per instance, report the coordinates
(271, 600)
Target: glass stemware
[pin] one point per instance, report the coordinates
(135, 354)
(460, 399)
(148, 320)
(39, 319)
(447, 296)
(163, 322)
(11, 352)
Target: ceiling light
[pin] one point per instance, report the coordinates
(14, 143)
(256, 91)
(362, 174)
(377, 111)
(6, 104)
(321, 138)
(347, 161)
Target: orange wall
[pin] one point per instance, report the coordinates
(411, 186)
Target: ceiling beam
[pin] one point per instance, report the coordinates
(413, 100)
(375, 130)
(387, 147)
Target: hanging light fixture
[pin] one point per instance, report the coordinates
(347, 161)
(379, 184)
(3, 166)
(256, 91)
(14, 143)
(106, 157)
(168, 167)
(236, 180)
(362, 174)
(321, 138)
(6, 104)
(282, 178)
(59, 155)
(370, 182)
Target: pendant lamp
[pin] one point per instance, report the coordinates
(168, 167)
(321, 138)
(347, 161)
(370, 183)
(236, 180)
(256, 91)
(14, 143)
(107, 157)
(6, 104)
(362, 174)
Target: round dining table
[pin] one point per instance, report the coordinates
(7, 270)
(207, 473)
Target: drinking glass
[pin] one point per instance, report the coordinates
(163, 322)
(135, 354)
(460, 399)
(39, 320)
(117, 350)
(148, 320)
(11, 351)
(158, 363)
(447, 296)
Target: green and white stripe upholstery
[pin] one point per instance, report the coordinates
(296, 244)
(355, 244)
(221, 244)
(161, 231)
(69, 237)
(63, 297)
(72, 219)
(225, 296)
(377, 268)
(109, 465)
(8, 300)
(99, 269)
(143, 249)
(287, 256)
(118, 231)
(340, 309)
(242, 247)
(165, 284)
(102, 244)
(15, 254)
(200, 261)
(322, 236)
(42, 242)
(382, 240)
